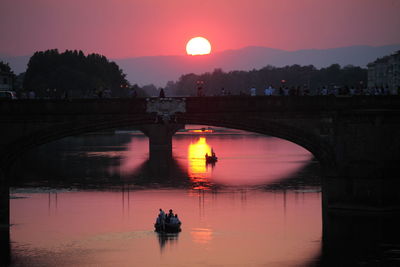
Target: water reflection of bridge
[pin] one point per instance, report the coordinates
(354, 138)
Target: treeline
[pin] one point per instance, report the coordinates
(239, 82)
(55, 74)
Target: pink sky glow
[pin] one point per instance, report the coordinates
(132, 28)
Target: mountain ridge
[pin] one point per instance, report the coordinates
(158, 70)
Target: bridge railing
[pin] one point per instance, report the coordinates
(199, 105)
(73, 107)
(292, 103)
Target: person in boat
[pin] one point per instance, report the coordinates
(212, 153)
(161, 219)
(172, 220)
(175, 220)
(162, 213)
(173, 225)
(169, 216)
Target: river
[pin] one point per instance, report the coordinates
(92, 201)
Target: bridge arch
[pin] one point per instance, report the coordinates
(47, 134)
(321, 150)
(355, 139)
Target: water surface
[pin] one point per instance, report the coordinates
(259, 205)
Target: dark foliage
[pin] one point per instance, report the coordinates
(237, 82)
(54, 74)
(5, 68)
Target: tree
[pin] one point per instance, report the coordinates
(5, 67)
(237, 82)
(74, 73)
(6, 70)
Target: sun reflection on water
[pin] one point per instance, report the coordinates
(202, 235)
(198, 171)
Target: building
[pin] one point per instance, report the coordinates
(385, 72)
(6, 81)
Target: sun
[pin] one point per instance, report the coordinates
(198, 46)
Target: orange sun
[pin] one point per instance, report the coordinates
(198, 46)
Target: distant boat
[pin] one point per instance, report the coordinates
(211, 159)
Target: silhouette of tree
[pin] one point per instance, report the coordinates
(238, 82)
(6, 69)
(51, 72)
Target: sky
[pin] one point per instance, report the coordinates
(135, 28)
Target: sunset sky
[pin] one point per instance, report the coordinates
(132, 28)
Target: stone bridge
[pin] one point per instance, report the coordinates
(355, 139)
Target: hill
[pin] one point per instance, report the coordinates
(160, 69)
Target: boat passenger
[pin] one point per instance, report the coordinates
(212, 153)
(169, 216)
(162, 213)
(173, 220)
(161, 219)
(177, 219)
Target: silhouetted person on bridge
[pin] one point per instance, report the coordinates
(200, 91)
(132, 93)
(65, 96)
(253, 91)
(31, 94)
(99, 93)
(162, 94)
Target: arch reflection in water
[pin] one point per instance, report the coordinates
(137, 167)
(198, 170)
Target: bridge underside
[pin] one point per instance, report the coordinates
(359, 151)
(356, 140)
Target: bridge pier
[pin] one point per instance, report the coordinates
(365, 174)
(361, 215)
(160, 145)
(361, 201)
(4, 219)
(354, 237)
(4, 201)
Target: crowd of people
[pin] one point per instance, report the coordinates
(304, 90)
(270, 90)
(325, 91)
(58, 94)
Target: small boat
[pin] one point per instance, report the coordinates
(168, 228)
(211, 159)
